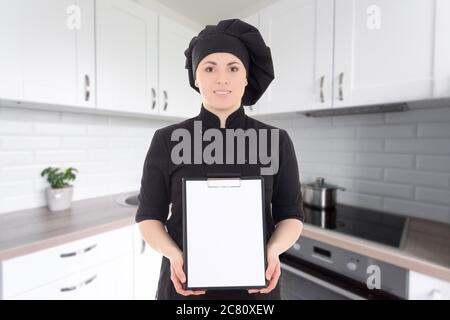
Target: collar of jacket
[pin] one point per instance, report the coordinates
(235, 120)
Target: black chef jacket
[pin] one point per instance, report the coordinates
(161, 186)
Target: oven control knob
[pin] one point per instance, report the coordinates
(297, 246)
(351, 266)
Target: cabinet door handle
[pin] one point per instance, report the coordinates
(74, 253)
(153, 98)
(322, 80)
(341, 80)
(81, 284)
(87, 88)
(143, 246)
(166, 102)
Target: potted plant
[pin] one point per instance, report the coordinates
(60, 192)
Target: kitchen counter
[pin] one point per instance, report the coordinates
(30, 230)
(426, 248)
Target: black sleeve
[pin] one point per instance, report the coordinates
(154, 193)
(287, 199)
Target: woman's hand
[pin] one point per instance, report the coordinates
(177, 275)
(273, 272)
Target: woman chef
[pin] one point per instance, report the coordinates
(230, 66)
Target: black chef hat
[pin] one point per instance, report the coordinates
(244, 41)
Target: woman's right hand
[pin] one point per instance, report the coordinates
(177, 275)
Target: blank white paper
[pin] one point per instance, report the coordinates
(225, 243)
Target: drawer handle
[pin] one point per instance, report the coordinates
(72, 254)
(80, 285)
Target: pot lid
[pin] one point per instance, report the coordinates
(320, 184)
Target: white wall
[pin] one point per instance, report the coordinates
(108, 151)
(397, 162)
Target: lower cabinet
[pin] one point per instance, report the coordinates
(147, 265)
(425, 287)
(109, 281)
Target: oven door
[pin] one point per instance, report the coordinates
(298, 282)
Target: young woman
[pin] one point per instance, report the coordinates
(230, 66)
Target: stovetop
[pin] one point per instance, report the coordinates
(378, 226)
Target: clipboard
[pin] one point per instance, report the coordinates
(224, 232)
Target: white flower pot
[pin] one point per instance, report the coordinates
(59, 199)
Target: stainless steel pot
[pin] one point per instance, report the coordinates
(319, 194)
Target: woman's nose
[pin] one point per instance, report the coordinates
(222, 78)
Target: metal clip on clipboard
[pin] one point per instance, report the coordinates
(223, 180)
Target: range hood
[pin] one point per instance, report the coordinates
(380, 108)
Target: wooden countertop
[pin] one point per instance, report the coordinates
(426, 248)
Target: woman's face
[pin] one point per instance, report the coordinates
(221, 79)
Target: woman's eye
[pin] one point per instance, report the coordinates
(207, 68)
(237, 69)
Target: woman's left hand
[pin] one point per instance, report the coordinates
(273, 272)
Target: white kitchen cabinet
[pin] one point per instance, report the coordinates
(11, 80)
(259, 105)
(383, 51)
(58, 58)
(147, 266)
(48, 54)
(300, 35)
(176, 97)
(442, 50)
(112, 280)
(126, 58)
(35, 270)
(425, 287)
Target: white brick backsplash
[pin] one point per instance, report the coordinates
(12, 158)
(30, 142)
(59, 128)
(385, 160)
(397, 162)
(43, 157)
(357, 172)
(430, 195)
(358, 145)
(404, 131)
(15, 127)
(333, 132)
(417, 209)
(302, 145)
(419, 178)
(434, 163)
(384, 189)
(9, 189)
(360, 200)
(434, 130)
(330, 157)
(419, 115)
(84, 142)
(418, 146)
(358, 120)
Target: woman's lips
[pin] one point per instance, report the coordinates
(222, 92)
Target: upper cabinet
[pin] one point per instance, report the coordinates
(441, 71)
(176, 97)
(383, 51)
(341, 53)
(300, 36)
(49, 51)
(127, 62)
